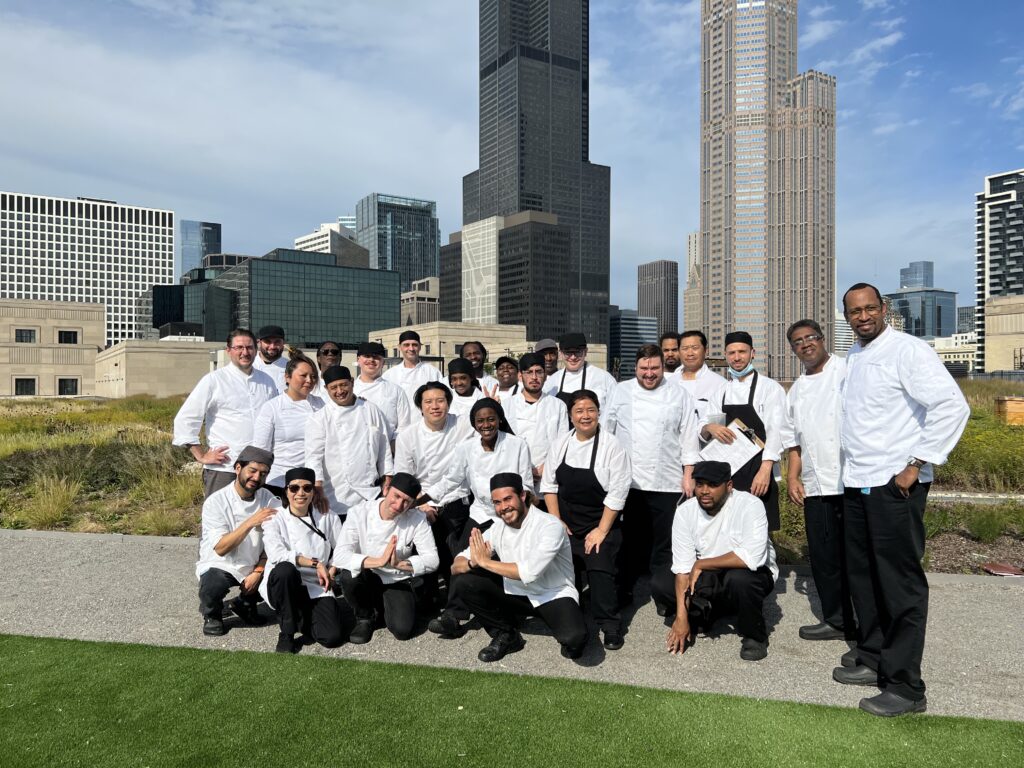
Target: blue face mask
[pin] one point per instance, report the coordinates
(744, 372)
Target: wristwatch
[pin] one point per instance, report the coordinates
(915, 462)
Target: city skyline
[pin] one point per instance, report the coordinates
(931, 97)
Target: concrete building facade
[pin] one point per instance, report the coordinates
(628, 331)
(49, 348)
(154, 368)
(693, 315)
(338, 240)
(420, 304)
(1004, 338)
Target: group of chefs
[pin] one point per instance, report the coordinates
(549, 490)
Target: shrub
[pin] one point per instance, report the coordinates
(986, 524)
(938, 519)
(161, 521)
(53, 498)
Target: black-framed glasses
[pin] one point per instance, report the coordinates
(296, 487)
(330, 352)
(806, 339)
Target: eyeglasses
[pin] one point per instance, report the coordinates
(240, 348)
(870, 309)
(295, 488)
(574, 352)
(330, 352)
(805, 340)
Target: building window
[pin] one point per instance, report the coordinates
(67, 387)
(25, 387)
(25, 336)
(67, 337)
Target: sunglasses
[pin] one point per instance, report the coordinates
(295, 487)
(331, 352)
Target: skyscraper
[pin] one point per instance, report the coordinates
(918, 274)
(926, 312)
(965, 319)
(693, 316)
(196, 239)
(534, 76)
(999, 248)
(401, 233)
(629, 330)
(767, 180)
(657, 293)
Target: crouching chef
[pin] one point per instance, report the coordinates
(231, 542)
(521, 566)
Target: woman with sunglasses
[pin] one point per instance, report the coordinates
(327, 354)
(281, 424)
(300, 543)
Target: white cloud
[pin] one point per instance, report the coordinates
(871, 5)
(871, 49)
(888, 25)
(889, 128)
(819, 10)
(819, 31)
(974, 91)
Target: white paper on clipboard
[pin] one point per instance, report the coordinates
(738, 452)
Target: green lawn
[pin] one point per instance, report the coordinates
(76, 703)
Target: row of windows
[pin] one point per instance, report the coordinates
(84, 209)
(28, 336)
(27, 387)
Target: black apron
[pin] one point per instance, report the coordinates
(581, 506)
(566, 397)
(744, 477)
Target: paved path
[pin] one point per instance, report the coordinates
(143, 590)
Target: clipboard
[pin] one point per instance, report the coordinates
(745, 447)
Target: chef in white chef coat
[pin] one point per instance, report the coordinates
(412, 373)
(347, 445)
(270, 357)
(578, 373)
(465, 389)
(476, 353)
(372, 386)
(693, 375)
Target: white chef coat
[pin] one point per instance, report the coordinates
(540, 549)
(598, 381)
(228, 401)
(504, 395)
(899, 402)
(658, 429)
(391, 400)
(741, 526)
(347, 447)
(473, 467)
(274, 370)
(541, 424)
(223, 512)
(281, 429)
(706, 387)
(813, 414)
(769, 404)
(461, 406)
(286, 537)
(426, 454)
(612, 466)
(487, 383)
(366, 534)
(411, 379)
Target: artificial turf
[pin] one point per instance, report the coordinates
(65, 702)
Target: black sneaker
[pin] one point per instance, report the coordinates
(247, 612)
(887, 704)
(858, 675)
(753, 650)
(572, 653)
(447, 626)
(613, 640)
(500, 647)
(286, 643)
(822, 631)
(213, 626)
(362, 632)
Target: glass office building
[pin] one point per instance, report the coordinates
(926, 312)
(918, 274)
(401, 234)
(628, 331)
(196, 239)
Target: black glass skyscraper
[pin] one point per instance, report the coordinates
(534, 144)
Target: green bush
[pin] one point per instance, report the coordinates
(52, 501)
(987, 524)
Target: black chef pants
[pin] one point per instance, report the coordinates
(455, 606)
(732, 591)
(369, 596)
(297, 611)
(884, 535)
(214, 480)
(646, 535)
(823, 521)
(448, 530)
(214, 586)
(602, 576)
(483, 593)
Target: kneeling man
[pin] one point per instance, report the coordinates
(231, 542)
(723, 563)
(521, 566)
(383, 583)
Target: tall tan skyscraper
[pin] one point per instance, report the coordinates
(693, 316)
(767, 220)
(657, 293)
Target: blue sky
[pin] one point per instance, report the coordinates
(273, 116)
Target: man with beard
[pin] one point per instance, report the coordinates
(270, 358)
(231, 541)
(669, 343)
(548, 350)
(413, 372)
(902, 415)
(656, 422)
(723, 563)
(521, 566)
(476, 353)
(224, 406)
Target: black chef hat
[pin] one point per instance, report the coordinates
(335, 373)
(270, 331)
(299, 473)
(460, 365)
(507, 480)
(739, 337)
(252, 453)
(372, 349)
(407, 484)
(490, 402)
(530, 359)
(505, 359)
(572, 341)
(409, 336)
(716, 472)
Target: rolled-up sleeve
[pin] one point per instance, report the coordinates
(316, 442)
(190, 417)
(620, 474)
(684, 549)
(753, 549)
(347, 555)
(426, 559)
(275, 542)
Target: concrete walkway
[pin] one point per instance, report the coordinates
(140, 589)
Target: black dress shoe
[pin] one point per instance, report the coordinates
(662, 610)
(501, 646)
(213, 626)
(362, 632)
(851, 658)
(446, 625)
(613, 640)
(753, 650)
(286, 643)
(572, 653)
(859, 675)
(823, 631)
(247, 612)
(887, 704)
